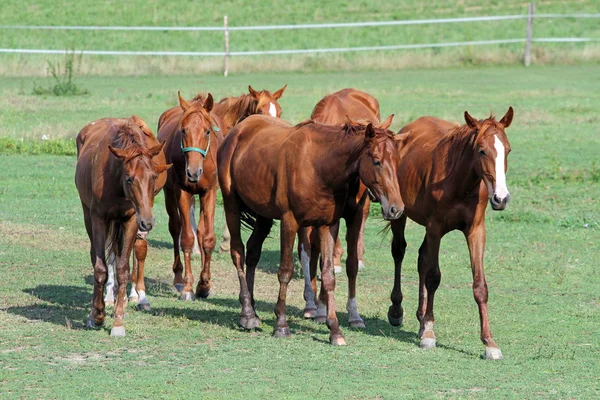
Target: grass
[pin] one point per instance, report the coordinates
(541, 259)
(271, 12)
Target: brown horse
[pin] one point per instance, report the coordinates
(138, 287)
(192, 135)
(448, 174)
(302, 176)
(115, 178)
(337, 109)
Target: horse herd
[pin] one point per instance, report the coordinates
(308, 176)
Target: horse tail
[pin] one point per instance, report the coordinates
(114, 239)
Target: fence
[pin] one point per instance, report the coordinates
(528, 39)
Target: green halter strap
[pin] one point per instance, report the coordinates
(197, 149)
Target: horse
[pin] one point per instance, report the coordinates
(192, 135)
(448, 173)
(138, 287)
(301, 175)
(115, 177)
(337, 109)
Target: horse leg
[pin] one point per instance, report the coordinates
(225, 241)
(316, 260)
(206, 233)
(304, 254)
(289, 229)
(133, 294)
(197, 249)
(110, 287)
(248, 317)
(128, 238)
(141, 250)
(395, 312)
(429, 280)
(187, 244)
(361, 237)
(99, 229)
(175, 231)
(328, 235)
(338, 252)
(254, 249)
(353, 225)
(476, 241)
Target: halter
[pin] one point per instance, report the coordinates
(197, 149)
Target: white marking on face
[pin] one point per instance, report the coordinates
(501, 190)
(272, 110)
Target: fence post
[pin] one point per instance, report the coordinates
(531, 10)
(226, 66)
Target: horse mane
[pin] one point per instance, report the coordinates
(196, 106)
(200, 98)
(318, 109)
(130, 139)
(239, 109)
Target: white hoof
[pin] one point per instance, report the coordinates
(187, 296)
(427, 343)
(337, 269)
(357, 324)
(493, 353)
(117, 331)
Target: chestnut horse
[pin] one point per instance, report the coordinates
(448, 174)
(138, 287)
(115, 178)
(301, 175)
(192, 135)
(337, 109)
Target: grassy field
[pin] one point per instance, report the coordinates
(272, 12)
(541, 260)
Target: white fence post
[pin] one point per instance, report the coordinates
(226, 66)
(527, 58)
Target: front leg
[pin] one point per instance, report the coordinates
(289, 228)
(395, 312)
(138, 286)
(98, 228)
(328, 235)
(122, 272)
(187, 244)
(476, 241)
(304, 254)
(207, 240)
(353, 226)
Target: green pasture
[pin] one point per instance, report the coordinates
(282, 12)
(541, 258)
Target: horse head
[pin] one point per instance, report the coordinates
(266, 102)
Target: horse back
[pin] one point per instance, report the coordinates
(357, 105)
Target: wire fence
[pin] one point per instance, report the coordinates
(226, 29)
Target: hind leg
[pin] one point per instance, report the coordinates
(254, 249)
(99, 230)
(353, 224)
(304, 254)
(328, 235)
(175, 231)
(289, 229)
(429, 281)
(395, 312)
(361, 237)
(207, 239)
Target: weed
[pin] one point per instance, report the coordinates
(63, 78)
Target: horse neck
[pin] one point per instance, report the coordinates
(458, 165)
(343, 153)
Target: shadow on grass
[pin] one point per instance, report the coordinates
(160, 244)
(154, 287)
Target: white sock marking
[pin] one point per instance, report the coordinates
(272, 110)
(501, 189)
(352, 309)
(133, 292)
(110, 281)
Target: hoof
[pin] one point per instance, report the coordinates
(91, 324)
(361, 264)
(186, 296)
(224, 249)
(357, 324)
(143, 307)
(337, 269)
(310, 312)
(282, 332)
(395, 321)
(337, 341)
(427, 343)
(134, 299)
(205, 294)
(320, 319)
(117, 331)
(178, 287)
(493, 353)
(249, 322)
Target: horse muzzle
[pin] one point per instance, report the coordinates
(193, 176)
(145, 224)
(499, 204)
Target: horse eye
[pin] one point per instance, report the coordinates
(377, 163)
(129, 180)
(183, 130)
(208, 132)
(481, 152)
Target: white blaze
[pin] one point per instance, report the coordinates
(501, 189)
(272, 110)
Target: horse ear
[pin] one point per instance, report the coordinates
(137, 121)
(386, 124)
(119, 153)
(350, 121)
(209, 103)
(507, 119)
(370, 132)
(154, 151)
(162, 168)
(253, 92)
(278, 93)
(472, 122)
(184, 104)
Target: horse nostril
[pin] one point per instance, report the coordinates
(394, 210)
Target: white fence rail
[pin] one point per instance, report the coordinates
(226, 29)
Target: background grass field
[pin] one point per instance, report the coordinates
(276, 12)
(541, 259)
